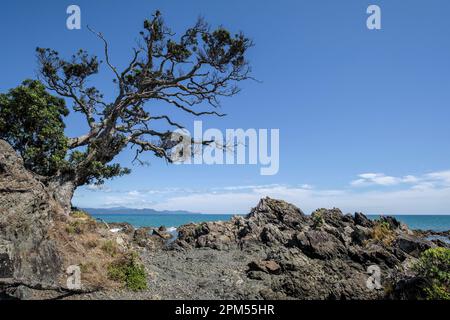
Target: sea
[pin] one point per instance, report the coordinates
(173, 221)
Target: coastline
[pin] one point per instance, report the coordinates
(437, 223)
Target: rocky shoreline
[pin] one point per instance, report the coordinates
(275, 252)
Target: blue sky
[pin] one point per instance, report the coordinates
(363, 115)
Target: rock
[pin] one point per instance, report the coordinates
(143, 239)
(269, 266)
(271, 235)
(412, 245)
(361, 220)
(333, 217)
(360, 235)
(319, 244)
(392, 222)
(289, 253)
(162, 234)
(28, 254)
(276, 212)
(272, 267)
(409, 289)
(120, 241)
(122, 227)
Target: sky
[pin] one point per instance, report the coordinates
(363, 115)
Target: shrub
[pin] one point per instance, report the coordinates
(110, 247)
(75, 227)
(383, 233)
(130, 272)
(317, 217)
(434, 266)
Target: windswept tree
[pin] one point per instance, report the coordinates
(189, 73)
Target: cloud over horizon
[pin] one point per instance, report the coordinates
(370, 193)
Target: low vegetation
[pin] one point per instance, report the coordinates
(383, 233)
(317, 217)
(110, 247)
(434, 266)
(75, 227)
(79, 214)
(129, 271)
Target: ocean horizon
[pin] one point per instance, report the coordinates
(423, 222)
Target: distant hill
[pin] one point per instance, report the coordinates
(122, 210)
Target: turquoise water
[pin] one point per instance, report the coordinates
(423, 222)
(428, 222)
(156, 220)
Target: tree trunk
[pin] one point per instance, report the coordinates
(62, 189)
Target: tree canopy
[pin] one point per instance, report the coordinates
(188, 73)
(31, 120)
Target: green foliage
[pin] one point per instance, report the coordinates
(434, 266)
(75, 227)
(31, 120)
(317, 217)
(130, 272)
(95, 171)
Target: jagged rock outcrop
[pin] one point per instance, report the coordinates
(323, 256)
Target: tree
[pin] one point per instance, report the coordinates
(189, 74)
(31, 120)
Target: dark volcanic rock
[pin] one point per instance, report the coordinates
(319, 244)
(409, 289)
(413, 245)
(290, 255)
(360, 235)
(362, 220)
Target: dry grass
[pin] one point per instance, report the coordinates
(110, 247)
(86, 243)
(78, 214)
(383, 233)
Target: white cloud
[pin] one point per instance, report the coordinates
(439, 178)
(408, 201)
(428, 193)
(379, 179)
(442, 177)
